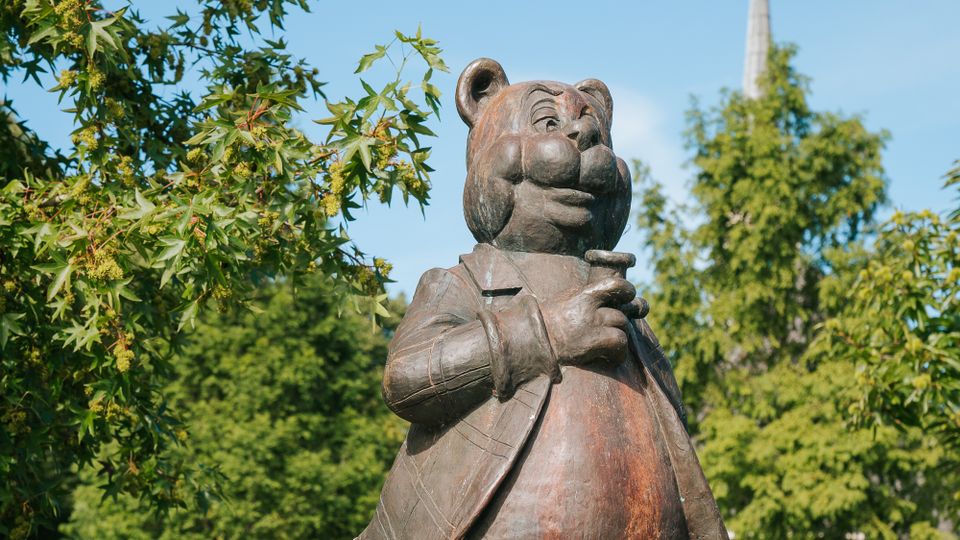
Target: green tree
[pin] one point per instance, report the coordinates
(782, 195)
(167, 202)
(901, 328)
(286, 404)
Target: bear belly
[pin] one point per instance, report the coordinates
(596, 466)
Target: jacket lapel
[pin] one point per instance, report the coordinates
(493, 273)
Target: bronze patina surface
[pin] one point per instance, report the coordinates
(541, 404)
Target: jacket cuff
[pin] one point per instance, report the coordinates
(519, 346)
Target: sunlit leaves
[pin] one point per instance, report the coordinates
(767, 249)
(286, 403)
(368, 59)
(168, 203)
(902, 330)
(777, 185)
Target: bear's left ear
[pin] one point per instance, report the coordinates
(479, 82)
(599, 91)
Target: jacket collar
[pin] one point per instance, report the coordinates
(492, 271)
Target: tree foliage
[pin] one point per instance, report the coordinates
(782, 196)
(287, 405)
(901, 328)
(168, 202)
(778, 185)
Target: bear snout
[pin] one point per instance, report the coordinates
(551, 159)
(585, 132)
(598, 170)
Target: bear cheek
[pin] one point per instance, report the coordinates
(619, 206)
(551, 160)
(488, 193)
(502, 159)
(598, 170)
(487, 205)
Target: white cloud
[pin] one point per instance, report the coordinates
(640, 131)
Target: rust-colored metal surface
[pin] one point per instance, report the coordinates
(597, 460)
(576, 476)
(540, 402)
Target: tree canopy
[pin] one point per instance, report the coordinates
(169, 202)
(286, 405)
(745, 277)
(901, 328)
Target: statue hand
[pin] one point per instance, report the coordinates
(588, 327)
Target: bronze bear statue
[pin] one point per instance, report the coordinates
(541, 404)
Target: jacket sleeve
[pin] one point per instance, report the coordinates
(450, 354)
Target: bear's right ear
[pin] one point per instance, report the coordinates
(482, 79)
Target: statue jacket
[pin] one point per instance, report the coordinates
(446, 374)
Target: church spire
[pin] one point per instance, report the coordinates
(758, 43)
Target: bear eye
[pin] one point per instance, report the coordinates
(549, 123)
(545, 119)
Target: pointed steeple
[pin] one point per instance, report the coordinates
(758, 44)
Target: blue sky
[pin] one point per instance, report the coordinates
(895, 63)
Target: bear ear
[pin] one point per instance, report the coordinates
(482, 79)
(599, 91)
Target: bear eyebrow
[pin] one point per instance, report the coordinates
(544, 103)
(544, 88)
(541, 89)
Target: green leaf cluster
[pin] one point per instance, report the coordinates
(745, 276)
(169, 203)
(901, 328)
(286, 405)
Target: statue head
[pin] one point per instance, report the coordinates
(541, 173)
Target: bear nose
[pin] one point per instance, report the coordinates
(584, 132)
